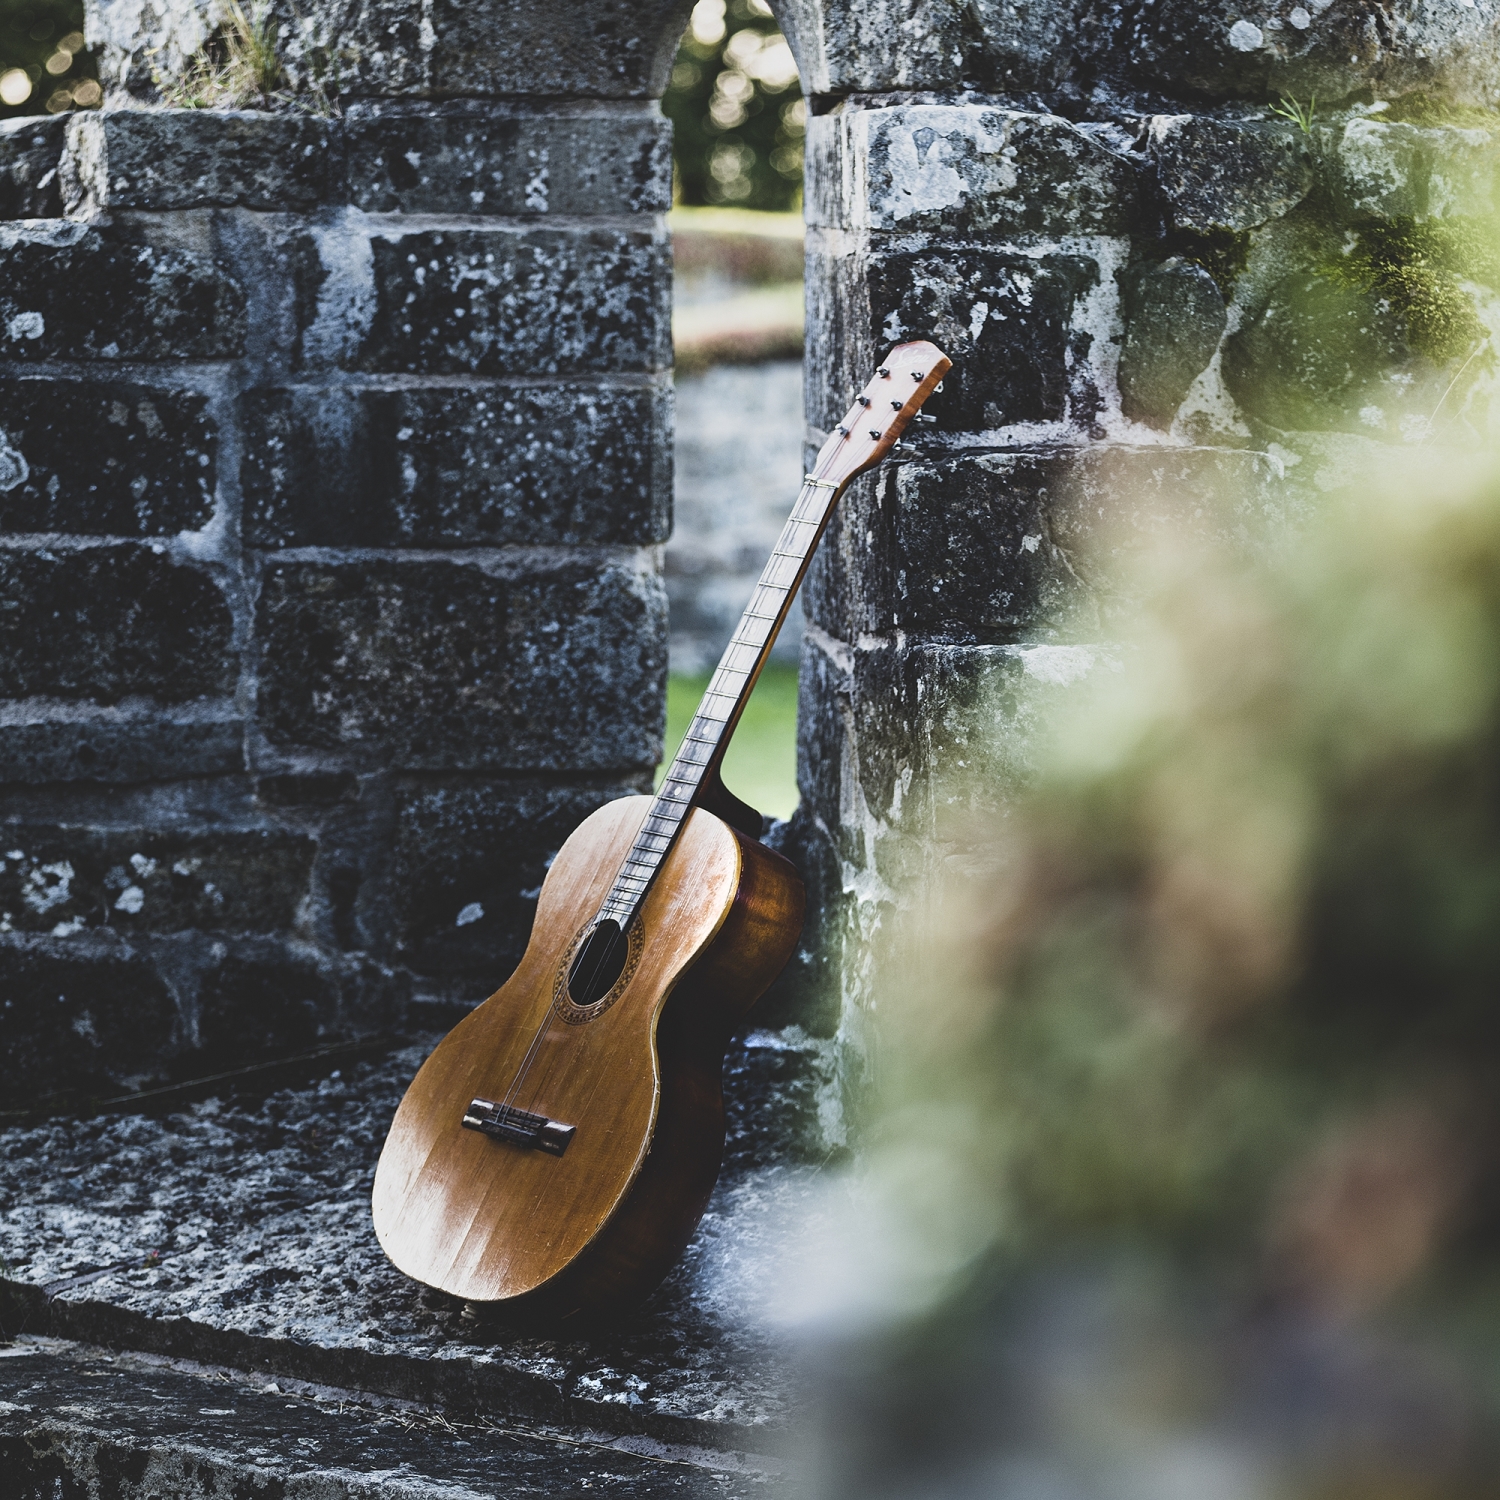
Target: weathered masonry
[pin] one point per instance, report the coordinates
(334, 455)
(334, 472)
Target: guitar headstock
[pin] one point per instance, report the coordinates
(882, 411)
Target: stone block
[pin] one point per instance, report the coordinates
(1037, 44)
(105, 623)
(1464, 172)
(1228, 175)
(447, 665)
(603, 49)
(264, 998)
(966, 169)
(478, 159)
(1323, 356)
(518, 302)
(958, 547)
(1005, 319)
(972, 552)
(1331, 50)
(198, 158)
(1174, 319)
(78, 291)
(898, 44)
(31, 151)
(81, 1016)
(930, 740)
(1398, 170)
(468, 866)
(992, 548)
(600, 49)
(104, 458)
(61, 879)
(55, 744)
(465, 466)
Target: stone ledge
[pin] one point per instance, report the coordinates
(75, 1419)
(240, 1235)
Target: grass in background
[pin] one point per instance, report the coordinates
(761, 766)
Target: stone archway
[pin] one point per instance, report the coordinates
(253, 738)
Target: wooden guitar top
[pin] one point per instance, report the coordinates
(487, 1220)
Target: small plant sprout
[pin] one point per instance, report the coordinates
(1301, 115)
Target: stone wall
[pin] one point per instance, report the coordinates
(308, 664)
(1169, 306)
(334, 467)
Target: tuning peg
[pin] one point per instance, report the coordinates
(922, 416)
(875, 433)
(895, 406)
(844, 431)
(885, 373)
(863, 400)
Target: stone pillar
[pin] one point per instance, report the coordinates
(334, 469)
(1169, 306)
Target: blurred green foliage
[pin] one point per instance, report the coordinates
(737, 114)
(1222, 984)
(43, 39)
(1417, 268)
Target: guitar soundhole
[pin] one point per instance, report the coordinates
(599, 963)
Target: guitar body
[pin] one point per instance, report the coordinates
(637, 1074)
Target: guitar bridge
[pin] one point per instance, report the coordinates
(518, 1126)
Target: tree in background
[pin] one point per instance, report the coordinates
(43, 67)
(736, 111)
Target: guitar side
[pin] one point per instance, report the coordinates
(598, 1226)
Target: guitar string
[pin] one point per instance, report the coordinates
(810, 487)
(811, 482)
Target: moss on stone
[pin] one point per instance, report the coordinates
(1416, 268)
(1423, 109)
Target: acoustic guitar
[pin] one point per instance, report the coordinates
(557, 1149)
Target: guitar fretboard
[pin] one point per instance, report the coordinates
(728, 690)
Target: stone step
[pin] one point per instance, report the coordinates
(239, 1234)
(80, 1421)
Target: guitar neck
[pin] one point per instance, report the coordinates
(878, 418)
(729, 689)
